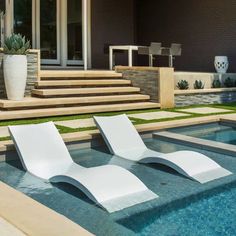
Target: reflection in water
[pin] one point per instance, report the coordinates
(115, 160)
(31, 184)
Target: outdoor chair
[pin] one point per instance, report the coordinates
(152, 50)
(175, 50)
(124, 141)
(44, 154)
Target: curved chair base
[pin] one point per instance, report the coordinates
(111, 187)
(191, 164)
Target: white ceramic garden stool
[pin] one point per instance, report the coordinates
(221, 64)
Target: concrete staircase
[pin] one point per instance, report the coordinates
(77, 92)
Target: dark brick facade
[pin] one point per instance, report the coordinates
(206, 28)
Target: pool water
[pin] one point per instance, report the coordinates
(220, 132)
(184, 207)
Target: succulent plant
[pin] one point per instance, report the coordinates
(16, 44)
(229, 83)
(198, 84)
(216, 83)
(183, 85)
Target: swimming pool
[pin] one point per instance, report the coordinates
(221, 132)
(185, 207)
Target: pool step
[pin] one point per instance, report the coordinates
(35, 102)
(47, 112)
(84, 91)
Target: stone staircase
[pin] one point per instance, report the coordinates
(77, 92)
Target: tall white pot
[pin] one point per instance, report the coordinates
(15, 76)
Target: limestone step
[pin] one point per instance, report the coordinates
(66, 74)
(84, 91)
(35, 102)
(46, 112)
(67, 83)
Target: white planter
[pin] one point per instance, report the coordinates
(15, 76)
(221, 64)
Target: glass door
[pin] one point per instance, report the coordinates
(59, 28)
(74, 32)
(48, 30)
(23, 18)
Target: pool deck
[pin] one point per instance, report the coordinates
(17, 215)
(22, 216)
(88, 136)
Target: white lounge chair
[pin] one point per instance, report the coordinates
(124, 141)
(44, 154)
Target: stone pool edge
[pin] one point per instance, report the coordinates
(32, 218)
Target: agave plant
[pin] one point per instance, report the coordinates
(183, 85)
(229, 83)
(16, 44)
(216, 83)
(198, 84)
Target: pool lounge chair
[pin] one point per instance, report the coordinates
(44, 154)
(124, 141)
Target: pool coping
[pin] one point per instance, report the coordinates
(20, 211)
(209, 145)
(24, 213)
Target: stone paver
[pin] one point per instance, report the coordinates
(157, 115)
(4, 132)
(80, 123)
(75, 124)
(205, 110)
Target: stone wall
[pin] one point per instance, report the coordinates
(33, 59)
(152, 81)
(206, 98)
(146, 80)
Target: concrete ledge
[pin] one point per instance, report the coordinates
(200, 91)
(138, 68)
(209, 145)
(33, 218)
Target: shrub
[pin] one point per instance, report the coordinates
(183, 85)
(229, 83)
(198, 84)
(16, 44)
(216, 83)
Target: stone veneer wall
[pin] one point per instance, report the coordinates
(206, 98)
(145, 79)
(33, 72)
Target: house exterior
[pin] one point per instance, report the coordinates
(76, 33)
(63, 29)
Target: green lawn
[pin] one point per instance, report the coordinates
(62, 129)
